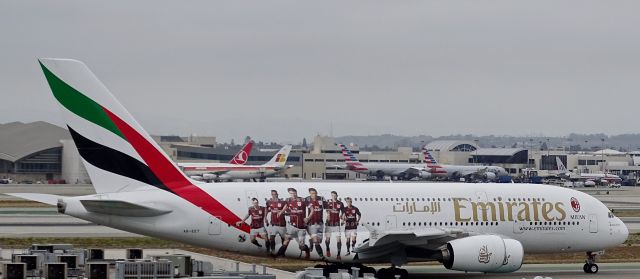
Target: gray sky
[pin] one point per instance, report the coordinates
(282, 70)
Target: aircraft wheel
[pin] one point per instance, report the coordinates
(585, 267)
(593, 268)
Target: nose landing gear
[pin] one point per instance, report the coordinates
(590, 265)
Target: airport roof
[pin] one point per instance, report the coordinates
(608, 152)
(496, 151)
(19, 140)
(451, 145)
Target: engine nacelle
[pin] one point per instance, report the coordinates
(425, 175)
(483, 253)
(209, 176)
(196, 177)
(490, 175)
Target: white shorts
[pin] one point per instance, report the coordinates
(331, 229)
(298, 234)
(274, 230)
(315, 230)
(350, 233)
(261, 231)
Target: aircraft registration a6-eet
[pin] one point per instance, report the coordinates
(467, 227)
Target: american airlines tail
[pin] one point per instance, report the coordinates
(242, 156)
(118, 154)
(280, 159)
(350, 159)
(430, 160)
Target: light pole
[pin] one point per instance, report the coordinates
(602, 151)
(475, 158)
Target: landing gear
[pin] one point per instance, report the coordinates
(334, 267)
(392, 272)
(590, 265)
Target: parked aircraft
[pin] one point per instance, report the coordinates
(586, 177)
(467, 227)
(397, 170)
(489, 173)
(227, 172)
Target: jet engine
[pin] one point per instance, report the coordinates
(424, 175)
(483, 253)
(490, 176)
(209, 176)
(197, 177)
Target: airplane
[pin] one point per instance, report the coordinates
(467, 227)
(226, 172)
(242, 156)
(399, 170)
(589, 178)
(489, 173)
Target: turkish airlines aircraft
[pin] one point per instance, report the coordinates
(400, 170)
(487, 172)
(467, 227)
(227, 172)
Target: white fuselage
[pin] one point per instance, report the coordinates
(460, 170)
(390, 169)
(541, 217)
(230, 171)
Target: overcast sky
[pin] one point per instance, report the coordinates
(281, 71)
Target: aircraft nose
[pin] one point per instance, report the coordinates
(623, 233)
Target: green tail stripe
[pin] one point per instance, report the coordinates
(78, 103)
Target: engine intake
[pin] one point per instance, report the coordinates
(483, 253)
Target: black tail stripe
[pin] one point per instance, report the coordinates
(114, 161)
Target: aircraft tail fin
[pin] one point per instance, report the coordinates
(428, 158)
(242, 156)
(116, 151)
(561, 167)
(280, 159)
(350, 160)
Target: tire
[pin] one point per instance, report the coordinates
(585, 268)
(593, 268)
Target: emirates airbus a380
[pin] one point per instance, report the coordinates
(467, 227)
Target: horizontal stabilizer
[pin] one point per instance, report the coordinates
(121, 208)
(43, 198)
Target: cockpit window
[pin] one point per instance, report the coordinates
(611, 215)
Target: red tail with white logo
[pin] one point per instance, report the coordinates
(242, 156)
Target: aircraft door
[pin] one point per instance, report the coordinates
(215, 225)
(391, 222)
(593, 223)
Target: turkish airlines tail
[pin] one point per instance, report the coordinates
(242, 156)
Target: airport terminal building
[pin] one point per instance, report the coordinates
(40, 152)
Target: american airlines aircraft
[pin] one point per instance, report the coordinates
(227, 172)
(487, 172)
(399, 170)
(467, 227)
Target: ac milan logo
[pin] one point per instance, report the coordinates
(575, 204)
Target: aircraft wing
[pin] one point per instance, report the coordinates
(387, 243)
(121, 208)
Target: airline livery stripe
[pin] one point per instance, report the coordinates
(78, 103)
(172, 177)
(114, 161)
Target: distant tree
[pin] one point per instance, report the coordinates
(304, 142)
(247, 139)
(233, 143)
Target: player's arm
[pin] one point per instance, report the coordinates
(284, 209)
(242, 221)
(359, 215)
(310, 212)
(264, 216)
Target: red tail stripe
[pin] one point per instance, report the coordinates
(171, 176)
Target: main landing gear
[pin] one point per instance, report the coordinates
(333, 268)
(590, 265)
(392, 272)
